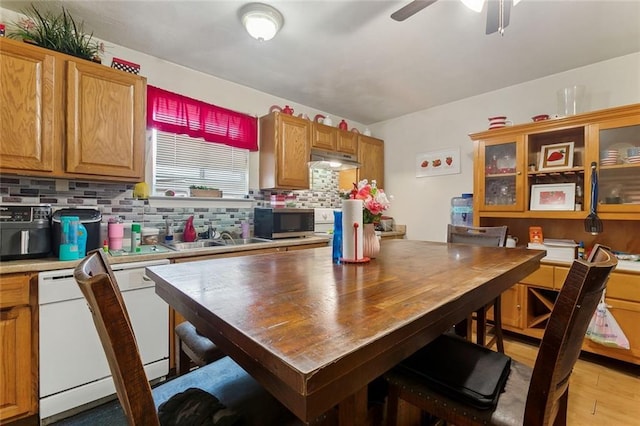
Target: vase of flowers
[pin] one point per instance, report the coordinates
(374, 201)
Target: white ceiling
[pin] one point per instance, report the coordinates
(351, 59)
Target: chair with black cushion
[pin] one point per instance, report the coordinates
(239, 398)
(193, 347)
(464, 383)
(489, 236)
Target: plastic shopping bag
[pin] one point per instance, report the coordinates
(605, 330)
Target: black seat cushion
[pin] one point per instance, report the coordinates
(195, 407)
(461, 370)
(199, 348)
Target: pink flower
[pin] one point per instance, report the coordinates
(375, 201)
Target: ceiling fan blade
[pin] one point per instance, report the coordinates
(410, 9)
(493, 15)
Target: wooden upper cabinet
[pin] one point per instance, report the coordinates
(324, 137)
(347, 142)
(332, 139)
(103, 136)
(27, 108)
(284, 151)
(371, 158)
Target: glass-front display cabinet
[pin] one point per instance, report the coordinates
(616, 150)
(502, 174)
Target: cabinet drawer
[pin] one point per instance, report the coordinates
(543, 277)
(624, 286)
(14, 290)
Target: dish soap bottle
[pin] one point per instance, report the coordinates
(135, 237)
(189, 234)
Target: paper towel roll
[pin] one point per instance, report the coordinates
(352, 235)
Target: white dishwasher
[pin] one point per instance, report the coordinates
(73, 367)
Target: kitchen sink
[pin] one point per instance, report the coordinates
(180, 246)
(241, 241)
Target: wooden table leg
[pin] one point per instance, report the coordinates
(353, 410)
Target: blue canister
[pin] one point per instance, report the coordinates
(337, 237)
(82, 240)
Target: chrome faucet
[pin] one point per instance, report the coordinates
(210, 233)
(227, 234)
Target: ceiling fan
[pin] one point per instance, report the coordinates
(498, 12)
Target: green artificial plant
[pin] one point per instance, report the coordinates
(58, 32)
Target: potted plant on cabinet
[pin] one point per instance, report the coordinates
(57, 32)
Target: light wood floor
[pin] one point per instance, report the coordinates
(600, 392)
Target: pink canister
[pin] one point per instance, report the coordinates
(116, 235)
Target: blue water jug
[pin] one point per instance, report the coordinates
(462, 210)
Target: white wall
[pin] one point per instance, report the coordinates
(423, 203)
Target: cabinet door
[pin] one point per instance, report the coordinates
(15, 362)
(616, 149)
(499, 179)
(511, 306)
(324, 137)
(293, 152)
(347, 142)
(371, 157)
(105, 121)
(27, 108)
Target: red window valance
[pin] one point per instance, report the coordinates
(182, 115)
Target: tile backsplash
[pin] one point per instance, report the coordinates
(116, 199)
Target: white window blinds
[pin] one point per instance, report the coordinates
(182, 161)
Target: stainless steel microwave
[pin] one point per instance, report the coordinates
(273, 223)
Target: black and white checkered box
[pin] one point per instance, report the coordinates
(123, 65)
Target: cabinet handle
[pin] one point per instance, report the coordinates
(518, 307)
(518, 173)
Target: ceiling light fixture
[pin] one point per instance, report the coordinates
(261, 21)
(477, 5)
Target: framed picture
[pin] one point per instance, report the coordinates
(437, 163)
(553, 196)
(556, 156)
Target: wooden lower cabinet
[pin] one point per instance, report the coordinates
(511, 305)
(527, 306)
(18, 363)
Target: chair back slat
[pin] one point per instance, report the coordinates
(564, 335)
(99, 287)
(488, 236)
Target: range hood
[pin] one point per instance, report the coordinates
(336, 161)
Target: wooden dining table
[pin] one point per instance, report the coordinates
(315, 333)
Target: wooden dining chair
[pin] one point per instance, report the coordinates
(489, 236)
(531, 397)
(242, 399)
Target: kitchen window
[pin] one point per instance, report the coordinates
(193, 143)
(180, 161)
